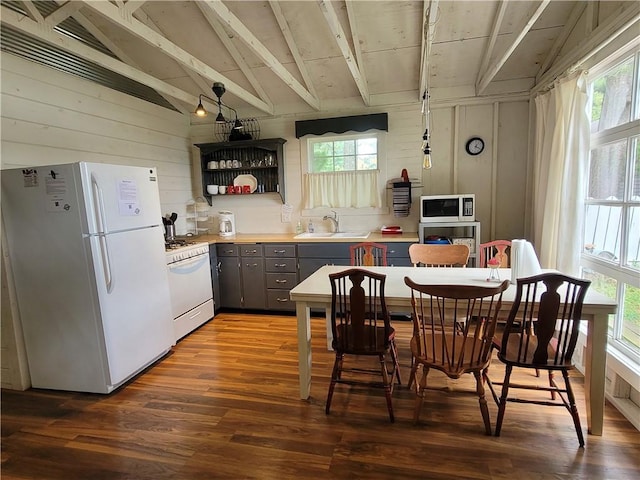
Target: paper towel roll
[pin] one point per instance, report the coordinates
(524, 261)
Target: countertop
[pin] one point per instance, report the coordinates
(289, 238)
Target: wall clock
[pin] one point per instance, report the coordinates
(474, 146)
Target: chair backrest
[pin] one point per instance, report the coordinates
(439, 255)
(454, 325)
(499, 249)
(359, 317)
(368, 254)
(542, 326)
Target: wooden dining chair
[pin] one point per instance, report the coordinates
(541, 333)
(361, 327)
(368, 254)
(437, 342)
(498, 249)
(438, 255)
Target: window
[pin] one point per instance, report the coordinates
(343, 154)
(344, 172)
(611, 257)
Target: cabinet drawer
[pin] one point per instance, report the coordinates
(323, 250)
(277, 251)
(400, 249)
(279, 300)
(227, 250)
(250, 250)
(281, 264)
(283, 281)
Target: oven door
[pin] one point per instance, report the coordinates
(189, 283)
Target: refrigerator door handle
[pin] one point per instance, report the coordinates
(98, 203)
(106, 263)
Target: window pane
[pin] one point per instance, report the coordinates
(633, 238)
(611, 97)
(323, 149)
(604, 285)
(367, 146)
(635, 168)
(631, 321)
(349, 154)
(602, 231)
(607, 171)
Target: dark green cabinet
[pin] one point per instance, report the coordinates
(264, 159)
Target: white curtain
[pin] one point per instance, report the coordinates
(560, 168)
(342, 189)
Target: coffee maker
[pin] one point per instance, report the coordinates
(227, 224)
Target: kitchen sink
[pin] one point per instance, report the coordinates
(314, 235)
(333, 235)
(350, 235)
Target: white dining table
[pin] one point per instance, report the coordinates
(315, 292)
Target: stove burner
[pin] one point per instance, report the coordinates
(173, 244)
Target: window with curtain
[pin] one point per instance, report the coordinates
(611, 256)
(343, 172)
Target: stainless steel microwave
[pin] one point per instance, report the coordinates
(448, 208)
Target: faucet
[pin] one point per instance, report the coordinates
(334, 220)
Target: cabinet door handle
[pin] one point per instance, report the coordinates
(228, 251)
(282, 300)
(280, 265)
(281, 281)
(279, 251)
(250, 265)
(251, 251)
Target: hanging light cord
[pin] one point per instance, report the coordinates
(426, 148)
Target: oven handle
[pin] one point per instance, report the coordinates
(188, 262)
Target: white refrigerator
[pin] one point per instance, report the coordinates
(86, 247)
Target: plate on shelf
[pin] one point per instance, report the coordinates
(246, 180)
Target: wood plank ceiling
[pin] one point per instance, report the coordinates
(310, 56)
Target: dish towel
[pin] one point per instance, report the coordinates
(401, 198)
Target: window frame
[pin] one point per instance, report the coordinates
(306, 156)
(332, 137)
(617, 270)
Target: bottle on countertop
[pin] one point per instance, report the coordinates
(299, 227)
(310, 227)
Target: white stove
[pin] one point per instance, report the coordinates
(190, 286)
(177, 251)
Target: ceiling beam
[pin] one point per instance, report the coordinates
(293, 47)
(355, 38)
(625, 17)
(140, 15)
(245, 35)
(341, 39)
(62, 13)
(429, 17)
(514, 40)
(561, 39)
(137, 28)
(491, 42)
(212, 19)
(26, 25)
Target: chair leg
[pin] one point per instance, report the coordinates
(483, 402)
(503, 399)
(335, 375)
(387, 386)
(421, 388)
(412, 373)
(573, 410)
(396, 364)
(551, 384)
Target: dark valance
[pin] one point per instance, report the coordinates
(357, 123)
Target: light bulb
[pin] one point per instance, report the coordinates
(426, 157)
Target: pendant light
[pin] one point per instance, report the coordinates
(426, 148)
(218, 89)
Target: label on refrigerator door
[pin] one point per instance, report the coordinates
(128, 198)
(56, 190)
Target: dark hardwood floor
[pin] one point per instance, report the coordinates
(224, 404)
